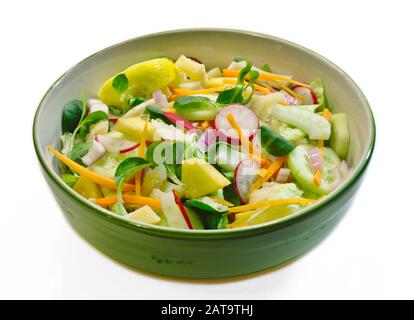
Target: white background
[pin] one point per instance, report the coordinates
(370, 254)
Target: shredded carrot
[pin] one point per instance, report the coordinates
(327, 114)
(223, 202)
(256, 86)
(173, 97)
(283, 103)
(274, 167)
(129, 199)
(318, 173)
(185, 92)
(271, 77)
(265, 163)
(141, 151)
(277, 202)
(92, 176)
(267, 76)
(244, 141)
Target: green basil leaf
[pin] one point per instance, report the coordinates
(120, 83)
(266, 68)
(135, 101)
(274, 143)
(156, 113)
(91, 119)
(196, 108)
(254, 75)
(79, 150)
(69, 179)
(72, 115)
(238, 59)
(125, 170)
(114, 110)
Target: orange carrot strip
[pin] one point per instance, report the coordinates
(244, 141)
(256, 86)
(274, 167)
(92, 176)
(130, 199)
(185, 92)
(267, 76)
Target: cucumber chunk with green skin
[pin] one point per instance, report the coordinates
(196, 108)
(274, 143)
(207, 204)
(299, 164)
(316, 126)
(339, 140)
(195, 219)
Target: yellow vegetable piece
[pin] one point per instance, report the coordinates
(133, 128)
(87, 189)
(144, 214)
(201, 178)
(144, 78)
(278, 202)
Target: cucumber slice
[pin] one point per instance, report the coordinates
(274, 143)
(195, 219)
(316, 126)
(339, 140)
(206, 204)
(300, 167)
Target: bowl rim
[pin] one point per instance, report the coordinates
(302, 214)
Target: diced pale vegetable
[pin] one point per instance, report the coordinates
(172, 212)
(144, 214)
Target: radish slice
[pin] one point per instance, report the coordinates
(113, 119)
(308, 95)
(97, 105)
(245, 118)
(179, 121)
(244, 176)
(182, 209)
(206, 139)
(94, 154)
(160, 99)
(116, 145)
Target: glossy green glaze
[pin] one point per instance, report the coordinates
(205, 254)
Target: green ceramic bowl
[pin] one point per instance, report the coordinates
(215, 253)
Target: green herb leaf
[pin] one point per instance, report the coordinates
(135, 101)
(266, 68)
(125, 170)
(235, 95)
(254, 75)
(69, 179)
(156, 113)
(195, 108)
(114, 110)
(91, 119)
(120, 83)
(72, 115)
(79, 150)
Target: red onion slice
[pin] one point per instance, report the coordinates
(314, 156)
(160, 99)
(206, 139)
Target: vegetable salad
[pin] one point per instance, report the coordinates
(171, 144)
